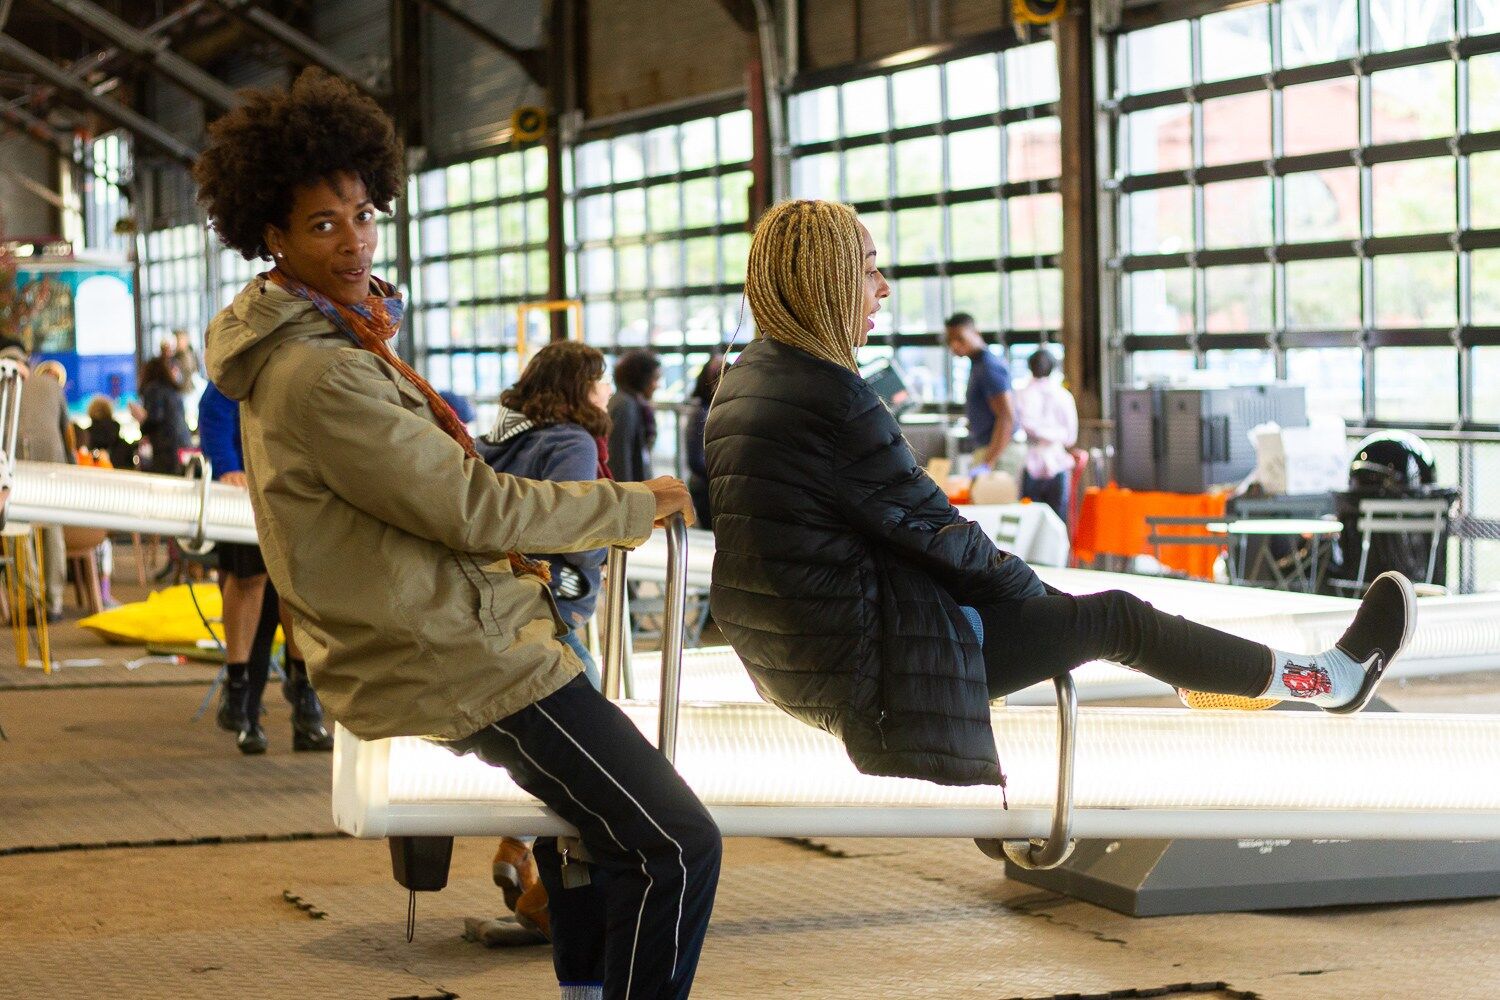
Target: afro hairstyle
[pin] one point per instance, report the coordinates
(277, 140)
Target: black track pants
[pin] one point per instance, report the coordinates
(638, 925)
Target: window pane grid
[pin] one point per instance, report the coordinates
(1307, 189)
(954, 168)
(174, 283)
(479, 249)
(1297, 204)
(660, 240)
(106, 174)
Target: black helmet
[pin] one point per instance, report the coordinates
(1392, 462)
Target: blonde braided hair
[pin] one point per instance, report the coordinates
(805, 279)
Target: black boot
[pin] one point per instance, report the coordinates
(251, 739)
(231, 715)
(308, 731)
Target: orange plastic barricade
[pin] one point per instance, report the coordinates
(1112, 522)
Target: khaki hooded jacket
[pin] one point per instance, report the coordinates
(386, 541)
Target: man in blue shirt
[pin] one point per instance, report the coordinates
(988, 405)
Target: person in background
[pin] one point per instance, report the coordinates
(1049, 419)
(632, 432)
(162, 418)
(104, 434)
(701, 398)
(988, 403)
(42, 436)
(462, 408)
(251, 609)
(552, 425)
(184, 359)
(164, 432)
(53, 369)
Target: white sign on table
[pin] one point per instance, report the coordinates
(1041, 538)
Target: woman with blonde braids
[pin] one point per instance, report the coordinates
(862, 603)
(398, 549)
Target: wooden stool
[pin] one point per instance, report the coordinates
(82, 545)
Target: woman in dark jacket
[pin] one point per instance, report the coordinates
(697, 461)
(864, 604)
(632, 432)
(163, 422)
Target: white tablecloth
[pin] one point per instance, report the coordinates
(1041, 538)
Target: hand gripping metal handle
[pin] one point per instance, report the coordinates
(616, 631)
(1054, 850)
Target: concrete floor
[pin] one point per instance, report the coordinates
(280, 906)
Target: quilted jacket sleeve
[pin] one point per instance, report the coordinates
(888, 498)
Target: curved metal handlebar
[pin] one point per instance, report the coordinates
(672, 636)
(199, 544)
(616, 631)
(614, 623)
(1037, 853)
(11, 385)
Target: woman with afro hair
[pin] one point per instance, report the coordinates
(399, 551)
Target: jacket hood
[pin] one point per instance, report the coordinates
(509, 424)
(243, 335)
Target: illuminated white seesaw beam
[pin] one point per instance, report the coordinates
(123, 500)
(1139, 773)
(1455, 634)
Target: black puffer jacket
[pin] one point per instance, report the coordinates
(840, 566)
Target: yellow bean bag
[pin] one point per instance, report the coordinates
(166, 618)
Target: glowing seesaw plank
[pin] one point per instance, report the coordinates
(1117, 772)
(121, 500)
(1455, 634)
(1139, 773)
(648, 563)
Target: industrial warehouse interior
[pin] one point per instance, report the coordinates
(749, 499)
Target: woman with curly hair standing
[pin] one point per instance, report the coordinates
(399, 551)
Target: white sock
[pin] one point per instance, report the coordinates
(1328, 680)
(583, 991)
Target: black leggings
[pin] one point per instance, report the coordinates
(258, 667)
(1038, 638)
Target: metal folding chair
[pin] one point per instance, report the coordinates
(1156, 537)
(1397, 517)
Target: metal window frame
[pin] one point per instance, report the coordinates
(1460, 241)
(651, 236)
(420, 212)
(996, 45)
(191, 256)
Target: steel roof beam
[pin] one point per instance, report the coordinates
(295, 41)
(114, 111)
(530, 60)
(148, 49)
(28, 124)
